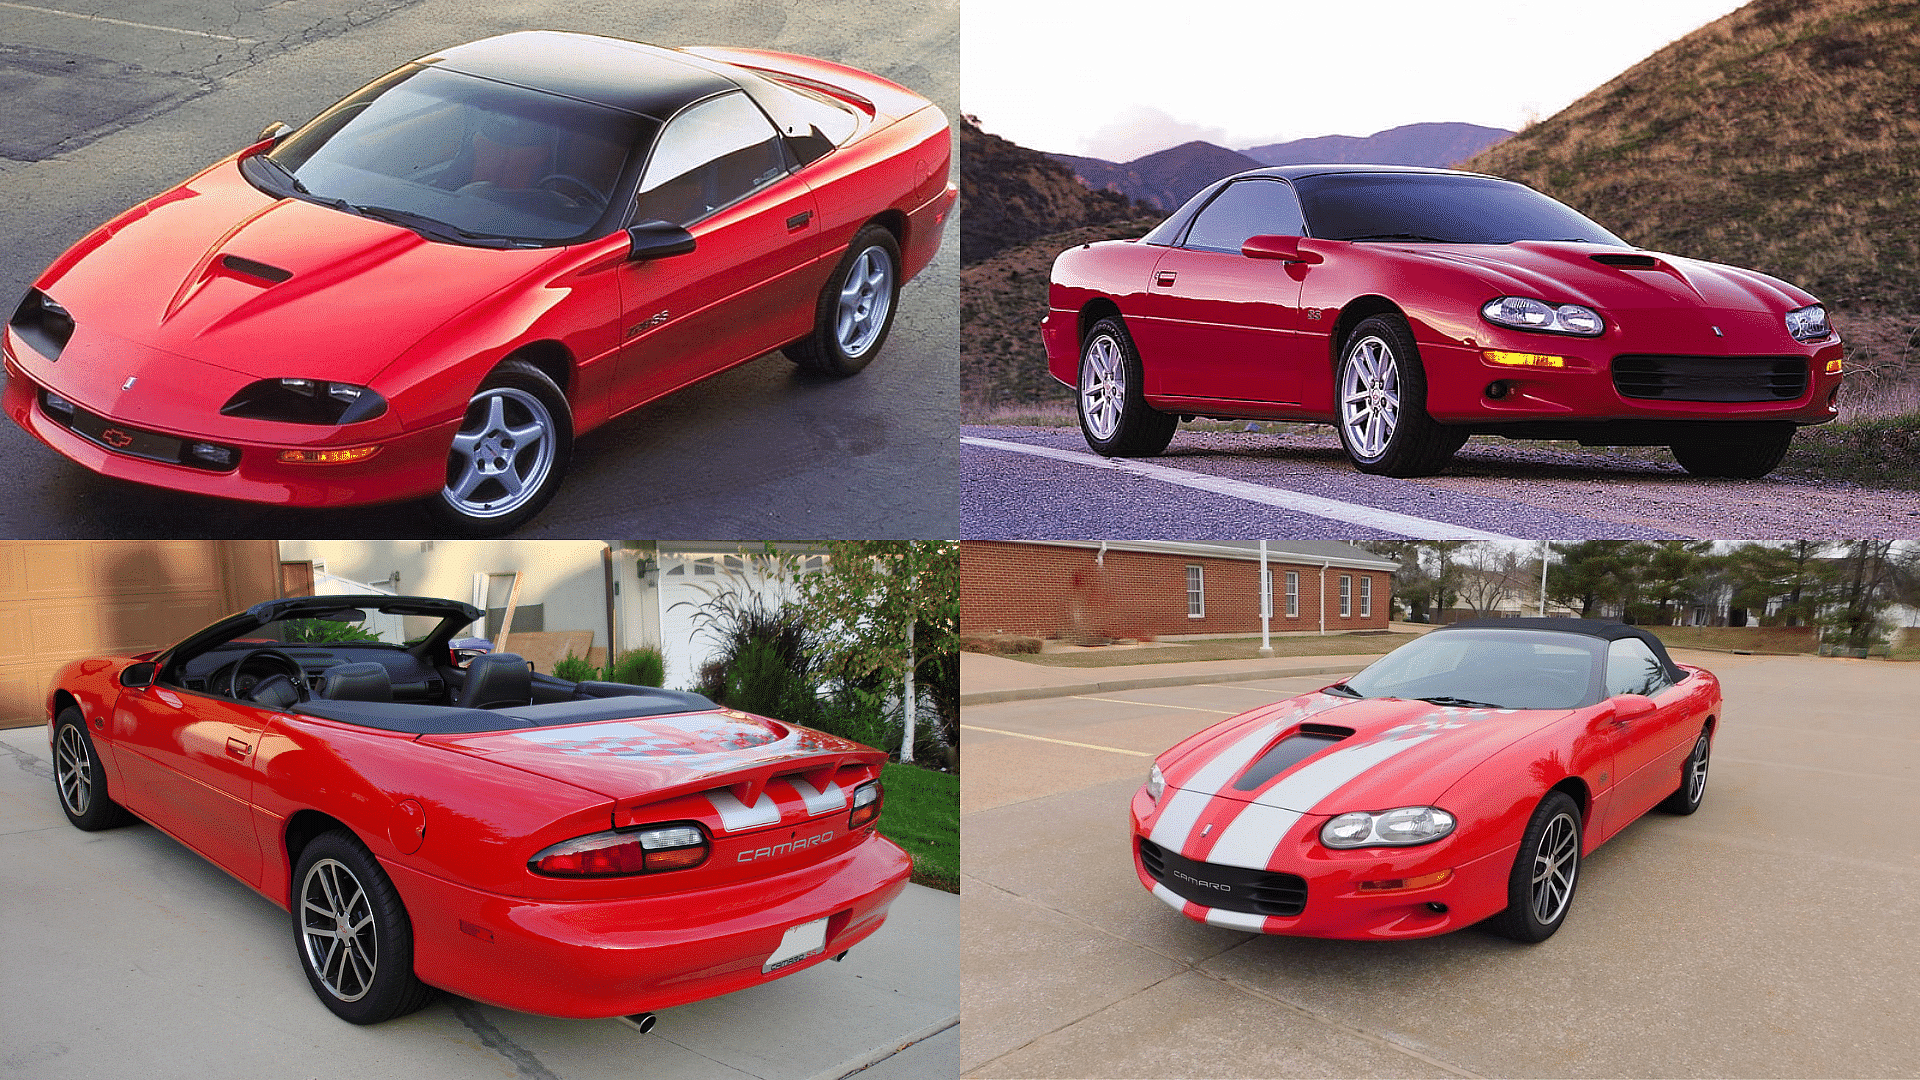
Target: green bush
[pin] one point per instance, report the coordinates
(643, 666)
(860, 714)
(574, 669)
(759, 679)
(318, 631)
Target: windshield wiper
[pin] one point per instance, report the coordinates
(1397, 236)
(1344, 689)
(285, 173)
(1467, 702)
(432, 228)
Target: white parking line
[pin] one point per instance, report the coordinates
(1352, 513)
(124, 22)
(1156, 704)
(1061, 742)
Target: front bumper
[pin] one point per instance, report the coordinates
(1335, 906)
(409, 465)
(604, 958)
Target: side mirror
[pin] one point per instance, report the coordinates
(139, 676)
(657, 240)
(1631, 706)
(275, 131)
(1279, 248)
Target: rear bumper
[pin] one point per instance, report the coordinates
(616, 957)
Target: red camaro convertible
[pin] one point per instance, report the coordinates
(429, 290)
(573, 849)
(1461, 777)
(1411, 308)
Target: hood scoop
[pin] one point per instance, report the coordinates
(1626, 260)
(254, 268)
(1306, 741)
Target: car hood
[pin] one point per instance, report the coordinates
(1398, 753)
(220, 272)
(1614, 278)
(647, 760)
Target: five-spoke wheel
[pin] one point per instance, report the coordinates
(855, 310)
(508, 456)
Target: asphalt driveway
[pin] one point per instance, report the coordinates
(124, 954)
(1771, 934)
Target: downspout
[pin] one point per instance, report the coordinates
(606, 567)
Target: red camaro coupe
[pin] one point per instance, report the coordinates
(1411, 308)
(572, 849)
(430, 289)
(1461, 777)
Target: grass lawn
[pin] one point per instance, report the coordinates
(1222, 649)
(1758, 639)
(922, 814)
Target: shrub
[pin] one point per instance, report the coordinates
(643, 666)
(760, 680)
(317, 631)
(575, 669)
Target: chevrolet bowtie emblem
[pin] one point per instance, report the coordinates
(128, 385)
(114, 437)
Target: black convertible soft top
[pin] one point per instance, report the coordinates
(1598, 628)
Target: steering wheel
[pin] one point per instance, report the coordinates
(287, 666)
(593, 196)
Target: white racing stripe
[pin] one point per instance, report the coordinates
(1370, 517)
(819, 802)
(1184, 803)
(736, 815)
(1250, 839)
(1236, 920)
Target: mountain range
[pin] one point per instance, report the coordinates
(1169, 177)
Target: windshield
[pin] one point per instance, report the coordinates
(460, 158)
(1438, 207)
(1507, 669)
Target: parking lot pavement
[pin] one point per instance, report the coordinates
(1770, 934)
(124, 954)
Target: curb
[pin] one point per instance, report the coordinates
(1025, 693)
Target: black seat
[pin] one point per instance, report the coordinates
(496, 681)
(356, 682)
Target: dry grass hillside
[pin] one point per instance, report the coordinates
(1002, 300)
(1011, 195)
(1784, 137)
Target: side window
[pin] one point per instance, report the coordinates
(1633, 669)
(1246, 208)
(710, 155)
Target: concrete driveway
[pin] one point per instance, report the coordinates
(1771, 934)
(124, 954)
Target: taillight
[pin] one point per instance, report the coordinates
(610, 854)
(866, 804)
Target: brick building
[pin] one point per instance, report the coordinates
(1148, 588)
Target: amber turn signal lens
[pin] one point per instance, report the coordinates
(327, 457)
(1403, 884)
(1833, 367)
(1523, 359)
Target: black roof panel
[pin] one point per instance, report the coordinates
(628, 75)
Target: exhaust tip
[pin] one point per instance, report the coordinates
(640, 1022)
(842, 956)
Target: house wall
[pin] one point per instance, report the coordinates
(1066, 591)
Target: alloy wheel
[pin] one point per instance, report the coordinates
(1369, 396)
(338, 931)
(503, 454)
(73, 768)
(1697, 771)
(1556, 861)
(865, 299)
(1103, 386)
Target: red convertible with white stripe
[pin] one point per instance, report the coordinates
(1460, 778)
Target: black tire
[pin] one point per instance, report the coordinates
(1113, 409)
(369, 978)
(79, 780)
(1693, 778)
(1734, 451)
(1388, 432)
(1532, 915)
(849, 322)
(478, 499)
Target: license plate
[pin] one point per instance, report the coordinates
(799, 942)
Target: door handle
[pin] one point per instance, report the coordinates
(1164, 277)
(237, 749)
(799, 220)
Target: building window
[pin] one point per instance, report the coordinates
(1346, 596)
(1293, 594)
(1196, 593)
(1366, 597)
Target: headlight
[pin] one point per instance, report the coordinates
(305, 401)
(1523, 313)
(1156, 783)
(1404, 827)
(42, 324)
(1808, 323)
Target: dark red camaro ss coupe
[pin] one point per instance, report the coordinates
(1411, 308)
(585, 849)
(430, 289)
(1461, 777)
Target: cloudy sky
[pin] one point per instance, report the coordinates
(1120, 79)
